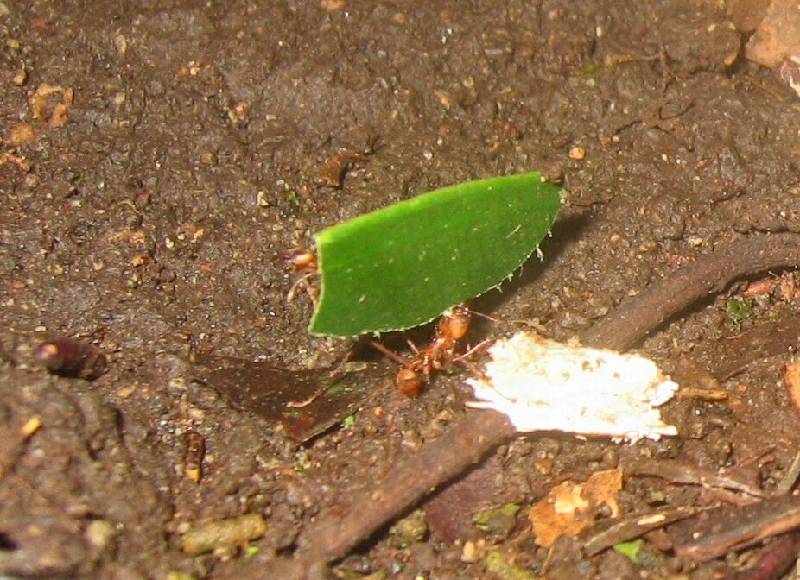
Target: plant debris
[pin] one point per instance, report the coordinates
(543, 385)
(305, 402)
(570, 508)
(731, 527)
(193, 457)
(223, 534)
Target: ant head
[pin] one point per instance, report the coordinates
(455, 324)
(409, 382)
(302, 261)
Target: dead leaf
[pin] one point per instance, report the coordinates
(39, 104)
(21, 134)
(760, 287)
(571, 507)
(791, 378)
(305, 402)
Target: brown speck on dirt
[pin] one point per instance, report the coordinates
(159, 161)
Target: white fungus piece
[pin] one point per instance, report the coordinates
(544, 385)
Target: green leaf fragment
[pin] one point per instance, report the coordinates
(630, 549)
(738, 309)
(496, 517)
(402, 266)
(502, 565)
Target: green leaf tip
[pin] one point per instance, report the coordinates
(403, 265)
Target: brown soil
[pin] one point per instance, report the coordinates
(151, 195)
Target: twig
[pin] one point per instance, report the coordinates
(636, 318)
(475, 435)
(334, 534)
(617, 530)
(775, 559)
(676, 472)
(730, 528)
(788, 481)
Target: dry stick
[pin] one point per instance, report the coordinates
(335, 533)
(708, 274)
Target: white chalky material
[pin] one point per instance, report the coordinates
(544, 385)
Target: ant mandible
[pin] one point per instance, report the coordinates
(414, 374)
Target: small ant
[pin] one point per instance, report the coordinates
(413, 375)
(303, 261)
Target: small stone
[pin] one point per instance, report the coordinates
(470, 552)
(121, 44)
(100, 533)
(20, 77)
(410, 530)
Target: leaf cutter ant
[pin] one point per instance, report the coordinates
(414, 374)
(303, 262)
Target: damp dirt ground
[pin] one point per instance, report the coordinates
(180, 151)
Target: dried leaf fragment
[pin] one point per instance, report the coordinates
(39, 103)
(543, 385)
(571, 507)
(21, 134)
(791, 378)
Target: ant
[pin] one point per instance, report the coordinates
(302, 261)
(414, 374)
(305, 262)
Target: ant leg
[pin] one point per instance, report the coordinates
(461, 359)
(484, 316)
(391, 354)
(411, 344)
(302, 282)
(480, 346)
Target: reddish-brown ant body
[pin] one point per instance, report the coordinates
(438, 355)
(302, 261)
(305, 262)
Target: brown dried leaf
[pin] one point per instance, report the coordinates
(571, 507)
(39, 104)
(791, 378)
(305, 402)
(21, 134)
